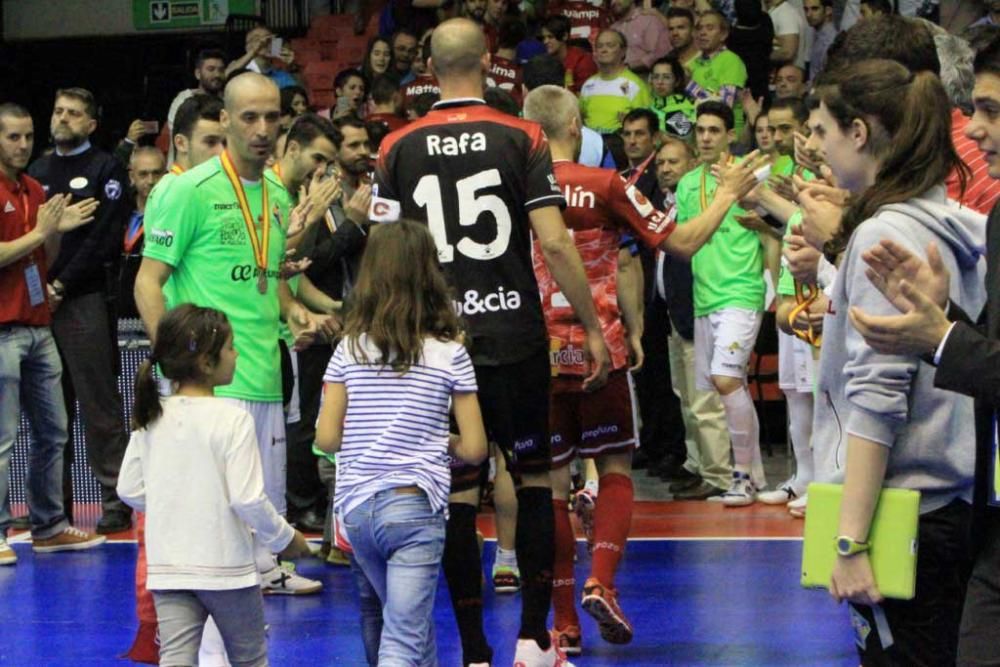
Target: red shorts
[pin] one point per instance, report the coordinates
(591, 424)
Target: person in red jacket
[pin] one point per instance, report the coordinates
(579, 64)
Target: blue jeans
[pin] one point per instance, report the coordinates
(31, 377)
(371, 613)
(398, 542)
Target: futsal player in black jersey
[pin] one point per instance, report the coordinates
(483, 182)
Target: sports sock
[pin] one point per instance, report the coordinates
(612, 520)
(800, 416)
(535, 546)
(506, 557)
(564, 583)
(463, 571)
(744, 430)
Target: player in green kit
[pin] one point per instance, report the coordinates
(728, 303)
(218, 234)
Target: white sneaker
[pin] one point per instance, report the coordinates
(7, 555)
(780, 496)
(530, 654)
(741, 493)
(282, 580)
(797, 507)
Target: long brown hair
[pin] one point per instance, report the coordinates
(186, 335)
(908, 117)
(401, 296)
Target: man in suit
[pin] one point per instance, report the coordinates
(967, 355)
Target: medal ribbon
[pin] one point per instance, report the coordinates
(176, 169)
(259, 245)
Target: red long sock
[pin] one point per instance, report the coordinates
(563, 584)
(612, 519)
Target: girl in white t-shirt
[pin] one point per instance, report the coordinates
(193, 467)
(389, 385)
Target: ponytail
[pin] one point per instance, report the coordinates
(146, 408)
(911, 132)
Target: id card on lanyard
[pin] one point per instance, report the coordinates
(993, 498)
(32, 276)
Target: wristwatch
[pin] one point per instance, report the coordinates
(848, 546)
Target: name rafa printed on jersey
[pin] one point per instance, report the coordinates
(451, 146)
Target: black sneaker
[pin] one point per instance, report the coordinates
(114, 521)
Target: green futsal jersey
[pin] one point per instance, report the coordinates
(198, 228)
(728, 270)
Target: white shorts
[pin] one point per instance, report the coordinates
(723, 342)
(796, 366)
(269, 423)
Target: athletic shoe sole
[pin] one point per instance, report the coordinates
(614, 629)
(78, 546)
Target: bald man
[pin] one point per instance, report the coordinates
(206, 234)
(484, 183)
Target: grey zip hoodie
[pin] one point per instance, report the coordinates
(891, 399)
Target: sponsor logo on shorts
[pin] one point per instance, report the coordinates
(525, 445)
(608, 429)
(609, 546)
(567, 356)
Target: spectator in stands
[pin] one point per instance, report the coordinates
(424, 83)
(874, 8)
(819, 15)
(422, 104)
(505, 71)
(791, 33)
(387, 103)
(789, 82)
(258, 58)
(294, 103)
(667, 82)
(645, 32)
(210, 73)
(607, 96)
(548, 71)
(404, 50)
(349, 87)
(30, 234)
(579, 64)
(717, 72)
(80, 281)
(146, 167)
(751, 39)
(586, 18)
(378, 60)
(474, 10)
(911, 42)
(680, 25)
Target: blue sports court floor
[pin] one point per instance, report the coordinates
(693, 601)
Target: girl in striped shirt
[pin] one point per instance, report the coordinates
(389, 385)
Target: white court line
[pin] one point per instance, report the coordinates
(631, 539)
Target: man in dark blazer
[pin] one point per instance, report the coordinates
(967, 355)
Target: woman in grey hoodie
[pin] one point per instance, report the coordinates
(879, 422)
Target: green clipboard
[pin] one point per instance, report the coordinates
(893, 539)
